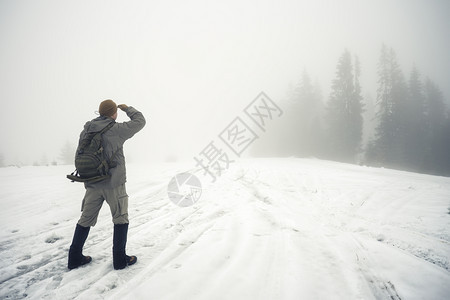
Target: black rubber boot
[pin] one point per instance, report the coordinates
(120, 259)
(76, 257)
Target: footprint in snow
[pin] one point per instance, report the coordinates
(380, 237)
(53, 238)
(25, 257)
(186, 243)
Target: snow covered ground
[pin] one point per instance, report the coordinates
(266, 229)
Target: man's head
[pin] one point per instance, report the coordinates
(108, 108)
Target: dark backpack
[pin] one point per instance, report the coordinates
(91, 163)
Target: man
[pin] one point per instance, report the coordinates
(112, 189)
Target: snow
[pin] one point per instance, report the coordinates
(266, 229)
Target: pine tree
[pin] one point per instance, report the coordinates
(369, 118)
(387, 146)
(438, 130)
(299, 111)
(306, 116)
(400, 110)
(357, 109)
(44, 160)
(299, 131)
(435, 106)
(277, 138)
(443, 149)
(316, 126)
(67, 154)
(344, 111)
(415, 129)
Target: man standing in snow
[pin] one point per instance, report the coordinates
(112, 189)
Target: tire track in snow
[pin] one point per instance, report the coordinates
(268, 233)
(164, 254)
(381, 288)
(313, 230)
(40, 265)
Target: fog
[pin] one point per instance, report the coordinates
(191, 67)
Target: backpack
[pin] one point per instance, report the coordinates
(91, 162)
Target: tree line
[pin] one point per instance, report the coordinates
(407, 127)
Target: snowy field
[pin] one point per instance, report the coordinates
(266, 229)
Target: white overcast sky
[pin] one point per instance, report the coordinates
(190, 66)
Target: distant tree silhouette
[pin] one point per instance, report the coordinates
(387, 146)
(306, 117)
(406, 127)
(67, 154)
(415, 146)
(298, 132)
(438, 130)
(344, 111)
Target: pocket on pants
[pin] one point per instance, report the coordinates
(123, 201)
(82, 204)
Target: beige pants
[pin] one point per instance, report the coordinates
(116, 198)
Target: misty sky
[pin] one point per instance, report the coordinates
(189, 66)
